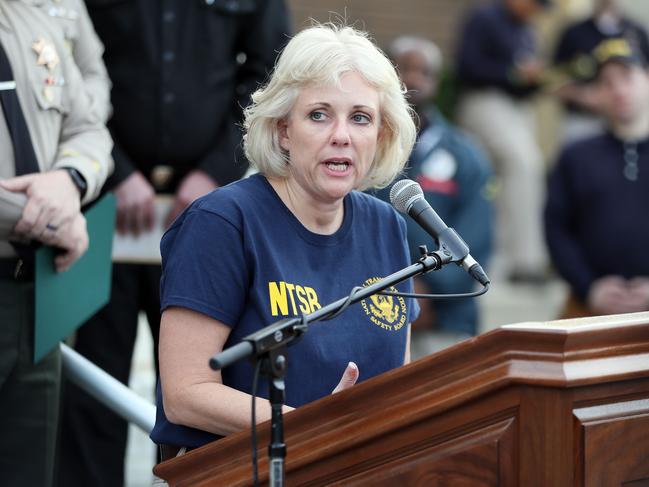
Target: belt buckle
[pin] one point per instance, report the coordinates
(161, 176)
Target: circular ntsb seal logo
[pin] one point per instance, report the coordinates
(387, 312)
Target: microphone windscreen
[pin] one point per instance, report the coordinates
(404, 193)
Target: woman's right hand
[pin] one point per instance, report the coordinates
(349, 378)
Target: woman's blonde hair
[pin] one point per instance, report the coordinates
(321, 55)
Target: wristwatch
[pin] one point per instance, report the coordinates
(78, 180)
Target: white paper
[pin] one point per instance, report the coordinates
(144, 248)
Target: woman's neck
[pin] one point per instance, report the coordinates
(317, 216)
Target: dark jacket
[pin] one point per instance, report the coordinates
(491, 43)
(595, 218)
(181, 69)
(583, 37)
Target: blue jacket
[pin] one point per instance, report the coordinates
(453, 173)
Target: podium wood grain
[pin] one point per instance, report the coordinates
(562, 403)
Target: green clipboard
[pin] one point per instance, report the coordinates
(64, 301)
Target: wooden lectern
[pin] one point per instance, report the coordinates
(563, 403)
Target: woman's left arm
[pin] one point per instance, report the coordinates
(193, 394)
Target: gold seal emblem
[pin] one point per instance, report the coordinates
(386, 312)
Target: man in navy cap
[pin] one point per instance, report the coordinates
(599, 194)
(573, 49)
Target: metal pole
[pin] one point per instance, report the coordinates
(107, 390)
(275, 362)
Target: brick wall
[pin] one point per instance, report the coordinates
(437, 20)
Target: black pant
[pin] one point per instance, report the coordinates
(29, 393)
(93, 439)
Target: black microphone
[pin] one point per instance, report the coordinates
(407, 197)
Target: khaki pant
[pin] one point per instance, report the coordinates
(29, 393)
(505, 127)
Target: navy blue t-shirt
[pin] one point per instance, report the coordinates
(238, 255)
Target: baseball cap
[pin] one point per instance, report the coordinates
(617, 50)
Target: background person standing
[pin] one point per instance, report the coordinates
(54, 156)
(181, 72)
(572, 54)
(598, 195)
(453, 173)
(499, 68)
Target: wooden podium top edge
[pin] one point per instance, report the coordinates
(584, 324)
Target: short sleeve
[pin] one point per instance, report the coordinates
(204, 267)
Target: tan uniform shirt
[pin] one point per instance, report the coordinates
(58, 110)
(87, 49)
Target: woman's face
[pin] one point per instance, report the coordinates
(331, 136)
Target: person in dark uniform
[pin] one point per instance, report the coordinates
(181, 72)
(499, 69)
(598, 196)
(453, 173)
(572, 55)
